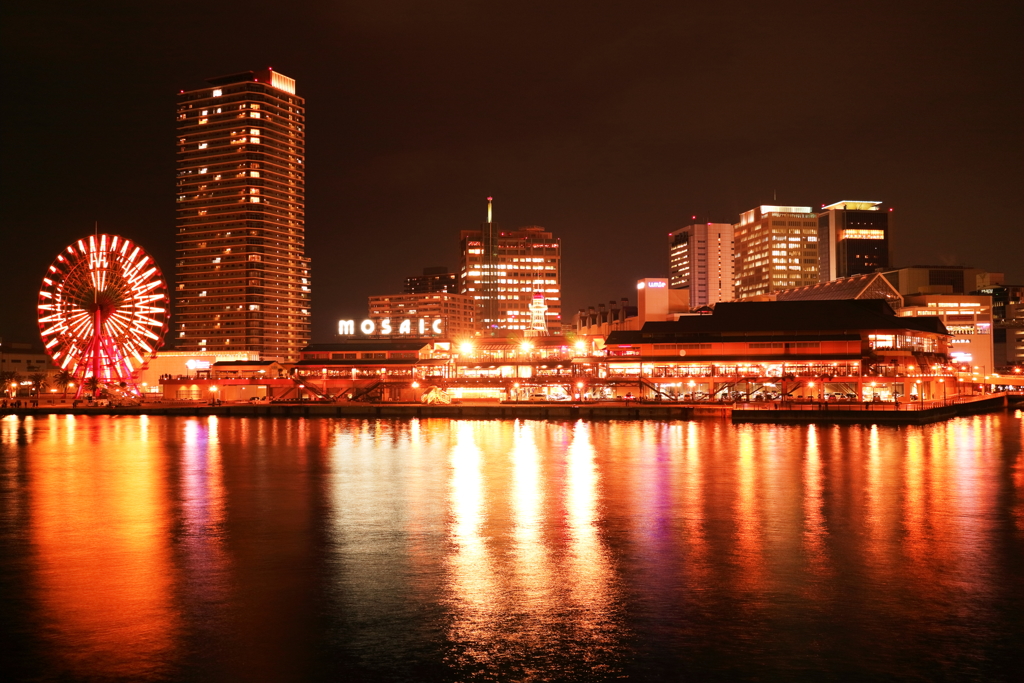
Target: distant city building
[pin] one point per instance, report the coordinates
(456, 312)
(502, 270)
(936, 279)
(776, 248)
(657, 302)
(868, 286)
(1007, 320)
(243, 281)
(968, 319)
(603, 320)
(20, 363)
(436, 279)
(701, 260)
(853, 238)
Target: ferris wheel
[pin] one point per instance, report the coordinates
(103, 311)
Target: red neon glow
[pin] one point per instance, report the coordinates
(104, 317)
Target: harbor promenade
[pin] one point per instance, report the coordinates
(777, 412)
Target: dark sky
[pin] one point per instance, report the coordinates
(609, 125)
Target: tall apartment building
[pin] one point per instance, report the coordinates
(701, 260)
(434, 279)
(776, 248)
(243, 281)
(853, 239)
(501, 270)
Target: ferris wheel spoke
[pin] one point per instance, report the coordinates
(109, 276)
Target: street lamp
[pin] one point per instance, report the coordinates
(942, 381)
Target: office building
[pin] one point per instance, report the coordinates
(502, 269)
(701, 260)
(968, 318)
(936, 279)
(853, 239)
(456, 312)
(435, 279)
(776, 248)
(243, 281)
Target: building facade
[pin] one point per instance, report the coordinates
(435, 279)
(776, 248)
(456, 312)
(243, 279)
(969, 322)
(701, 260)
(853, 239)
(502, 269)
(935, 279)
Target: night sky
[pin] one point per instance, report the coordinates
(609, 125)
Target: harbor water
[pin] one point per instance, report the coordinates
(157, 548)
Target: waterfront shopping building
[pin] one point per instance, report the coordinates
(243, 280)
(850, 350)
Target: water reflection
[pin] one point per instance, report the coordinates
(243, 549)
(103, 572)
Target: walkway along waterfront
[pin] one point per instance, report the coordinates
(769, 412)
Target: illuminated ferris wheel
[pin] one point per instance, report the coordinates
(103, 311)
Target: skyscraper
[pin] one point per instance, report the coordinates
(701, 260)
(501, 270)
(243, 281)
(776, 248)
(434, 279)
(853, 239)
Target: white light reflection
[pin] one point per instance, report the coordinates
(815, 527)
(589, 573)
(531, 558)
(203, 511)
(473, 584)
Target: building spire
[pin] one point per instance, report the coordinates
(489, 213)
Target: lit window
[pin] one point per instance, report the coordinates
(216, 93)
(202, 145)
(254, 141)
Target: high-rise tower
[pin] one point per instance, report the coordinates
(502, 270)
(700, 259)
(776, 248)
(853, 239)
(243, 281)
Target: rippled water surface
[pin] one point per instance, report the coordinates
(153, 548)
